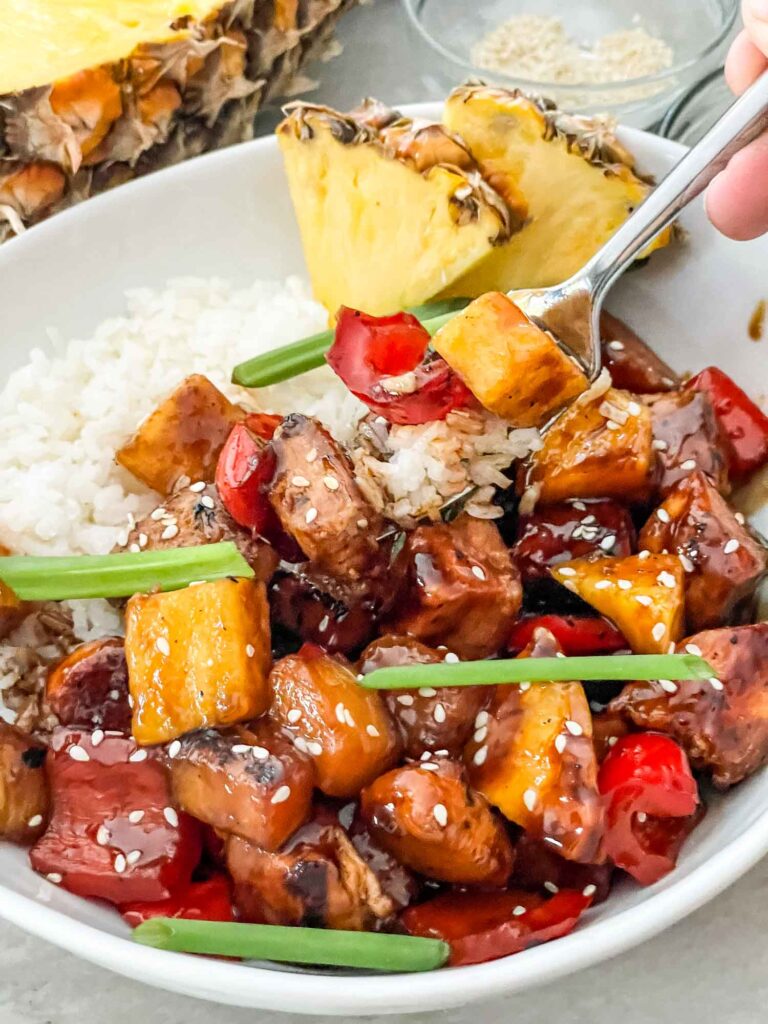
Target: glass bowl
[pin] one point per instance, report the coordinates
(696, 111)
(696, 31)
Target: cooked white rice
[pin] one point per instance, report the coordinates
(64, 414)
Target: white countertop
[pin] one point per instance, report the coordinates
(711, 968)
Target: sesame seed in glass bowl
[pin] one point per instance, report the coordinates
(616, 57)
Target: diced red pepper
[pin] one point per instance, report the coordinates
(575, 634)
(482, 926)
(114, 833)
(244, 471)
(650, 792)
(368, 349)
(199, 901)
(745, 424)
(263, 424)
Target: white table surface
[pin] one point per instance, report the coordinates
(710, 969)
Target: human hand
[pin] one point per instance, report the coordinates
(737, 199)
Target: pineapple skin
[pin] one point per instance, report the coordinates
(580, 183)
(390, 210)
(164, 102)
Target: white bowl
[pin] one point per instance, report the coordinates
(228, 214)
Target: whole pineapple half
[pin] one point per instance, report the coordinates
(96, 92)
(579, 182)
(391, 211)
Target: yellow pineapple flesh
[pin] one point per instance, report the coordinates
(578, 180)
(390, 212)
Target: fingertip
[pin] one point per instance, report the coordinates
(737, 198)
(744, 63)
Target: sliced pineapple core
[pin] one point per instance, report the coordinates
(578, 181)
(390, 212)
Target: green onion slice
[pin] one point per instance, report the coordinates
(66, 578)
(301, 356)
(540, 670)
(372, 950)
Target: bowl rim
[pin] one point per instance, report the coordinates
(730, 10)
(321, 994)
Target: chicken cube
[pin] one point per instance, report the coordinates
(23, 786)
(642, 595)
(721, 722)
(345, 729)
(512, 367)
(254, 784)
(532, 757)
(688, 436)
(632, 364)
(597, 449)
(197, 657)
(463, 589)
(182, 437)
(723, 561)
(89, 686)
(427, 816)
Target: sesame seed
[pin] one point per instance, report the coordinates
(625, 584)
(340, 712)
(642, 555)
(477, 572)
(658, 631)
(715, 683)
(668, 686)
(135, 817)
(133, 857)
(551, 887)
(659, 445)
(440, 814)
(241, 748)
(731, 546)
(429, 766)
(169, 532)
(529, 798)
(197, 486)
(311, 455)
(134, 549)
(139, 755)
(331, 483)
(250, 650)
(480, 755)
(603, 584)
(560, 743)
(362, 523)
(666, 579)
(300, 481)
(688, 464)
(348, 718)
(301, 744)
(612, 741)
(174, 748)
(294, 715)
(324, 623)
(451, 659)
(96, 737)
(567, 571)
(518, 911)
(634, 409)
(311, 515)
(103, 835)
(405, 699)
(163, 646)
(574, 728)
(589, 890)
(259, 753)
(35, 820)
(739, 517)
(143, 540)
(480, 734)
(54, 877)
(662, 515)
(612, 425)
(78, 753)
(207, 501)
(120, 864)
(693, 649)
(617, 346)
(522, 687)
(157, 514)
(686, 563)
(281, 795)
(130, 701)
(314, 748)
(644, 600)
(481, 718)
(372, 731)
(641, 816)
(427, 691)
(579, 506)
(170, 815)
(440, 753)
(439, 713)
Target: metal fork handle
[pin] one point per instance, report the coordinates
(743, 122)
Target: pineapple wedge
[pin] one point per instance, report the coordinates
(390, 211)
(94, 93)
(578, 180)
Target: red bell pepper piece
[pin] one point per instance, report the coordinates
(482, 926)
(244, 471)
(575, 634)
(745, 424)
(114, 833)
(263, 424)
(650, 792)
(199, 901)
(368, 349)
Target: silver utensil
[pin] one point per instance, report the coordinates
(571, 310)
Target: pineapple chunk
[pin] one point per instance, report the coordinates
(182, 437)
(511, 366)
(642, 596)
(579, 183)
(601, 448)
(390, 212)
(197, 657)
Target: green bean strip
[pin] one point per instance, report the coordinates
(372, 950)
(57, 578)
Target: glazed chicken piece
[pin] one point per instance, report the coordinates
(427, 719)
(345, 729)
(23, 786)
(632, 364)
(721, 722)
(254, 784)
(194, 515)
(687, 436)
(427, 816)
(89, 686)
(538, 866)
(723, 561)
(463, 589)
(318, 879)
